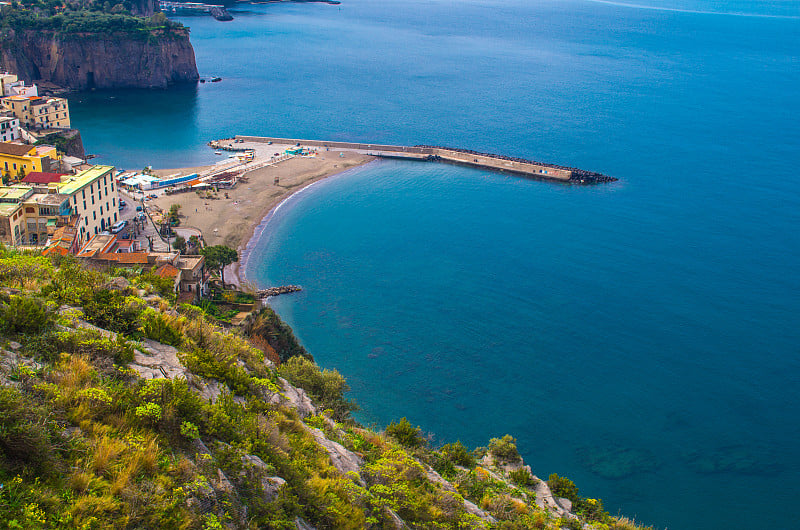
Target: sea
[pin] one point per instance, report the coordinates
(641, 338)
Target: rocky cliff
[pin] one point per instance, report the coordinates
(100, 60)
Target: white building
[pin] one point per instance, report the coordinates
(9, 128)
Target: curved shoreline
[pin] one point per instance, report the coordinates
(259, 229)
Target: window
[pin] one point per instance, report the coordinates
(115, 217)
(94, 216)
(101, 210)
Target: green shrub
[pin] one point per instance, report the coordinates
(23, 315)
(522, 477)
(326, 387)
(504, 449)
(25, 440)
(149, 412)
(458, 454)
(190, 430)
(268, 325)
(157, 327)
(406, 434)
(112, 310)
(563, 487)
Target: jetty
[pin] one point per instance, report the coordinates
(276, 291)
(520, 166)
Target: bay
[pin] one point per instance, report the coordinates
(640, 338)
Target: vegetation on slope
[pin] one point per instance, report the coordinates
(83, 17)
(86, 442)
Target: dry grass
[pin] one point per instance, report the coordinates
(105, 454)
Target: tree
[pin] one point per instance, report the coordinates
(179, 244)
(218, 257)
(173, 214)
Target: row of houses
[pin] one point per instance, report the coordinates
(106, 252)
(70, 214)
(30, 110)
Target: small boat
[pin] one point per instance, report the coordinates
(216, 79)
(217, 152)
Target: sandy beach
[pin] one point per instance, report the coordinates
(231, 218)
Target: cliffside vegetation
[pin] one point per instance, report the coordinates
(120, 409)
(91, 16)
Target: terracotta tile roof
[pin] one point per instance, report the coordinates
(37, 177)
(14, 149)
(130, 258)
(167, 271)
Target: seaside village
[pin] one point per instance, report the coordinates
(61, 204)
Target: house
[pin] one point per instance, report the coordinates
(19, 160)
(193, 277)
(11, 85)
(106, 252)
(38, 112)
(64, 240)
(30, 217)
(9, 128)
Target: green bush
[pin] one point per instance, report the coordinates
(522, 477)
(504, 449)
(157, 327)
(406, 434)
(25, 440)
(458, 454)
(563, 487)
(326, 387)
(112, 310)
(23, 315)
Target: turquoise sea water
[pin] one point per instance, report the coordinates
(642, 337)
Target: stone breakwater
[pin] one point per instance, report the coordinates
(519, 166)
(275, 291)
(576, 175)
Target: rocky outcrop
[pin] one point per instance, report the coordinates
(91, 60)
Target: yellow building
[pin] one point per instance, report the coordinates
(93, 195)
(31, 214)
(39, 112)
(17, 160)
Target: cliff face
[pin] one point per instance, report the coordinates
(83, 61)
(144, 8)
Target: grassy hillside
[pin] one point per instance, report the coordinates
(119, 409)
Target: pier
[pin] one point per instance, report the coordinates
(520, 166)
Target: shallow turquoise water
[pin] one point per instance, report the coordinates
(641, 337)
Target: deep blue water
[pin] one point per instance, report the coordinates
(642, 337)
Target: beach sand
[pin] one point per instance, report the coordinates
(231, 221)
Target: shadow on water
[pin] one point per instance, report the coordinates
(144, 121)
